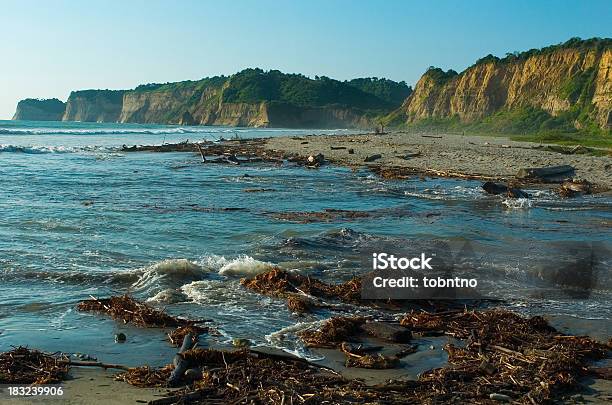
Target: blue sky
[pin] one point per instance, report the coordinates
(48, 49)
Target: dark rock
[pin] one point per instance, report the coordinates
(517, 193)
(494, 188)
(351, 151)
(192, 374)
(120, 337)
(387, 331)
(372, 158)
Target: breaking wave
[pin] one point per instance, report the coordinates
(37, 150)
(148, 131)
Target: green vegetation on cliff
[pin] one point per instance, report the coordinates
(36, 109)
(256, 85)
(557, 93)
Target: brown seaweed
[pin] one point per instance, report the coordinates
(26, 366)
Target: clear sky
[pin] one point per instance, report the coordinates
(48, 48)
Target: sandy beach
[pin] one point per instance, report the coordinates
(479, 156)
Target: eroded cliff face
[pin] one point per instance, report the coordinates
(39, 110)
(252, 97)
(555, 82)
(94, 106)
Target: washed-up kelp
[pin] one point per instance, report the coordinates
(281, 283)
(523, 358)
(331, 215)
(25, 366)
(248, 377)
(129, 310)
(146, 376)
(176, 336)
(333, 332)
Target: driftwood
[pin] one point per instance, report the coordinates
(545, 173)
(96, 364)
(180, 363)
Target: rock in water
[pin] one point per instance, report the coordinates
(494, 188)
(120, 338)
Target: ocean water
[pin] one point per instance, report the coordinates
(80, 218)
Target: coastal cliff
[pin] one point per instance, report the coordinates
(252, 97)
(94, 106)
(39, 110)
(566, 87)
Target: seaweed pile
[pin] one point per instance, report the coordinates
(333, 333)
(522, 359)
(506, 358)
(252, 377)
(25, 366)
(129, 310)
(331, 215)
(298, 288)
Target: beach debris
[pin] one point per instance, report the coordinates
(545, 174)
(333, 332)
(258, 190)
(387, 331)
(496, 189)
(129, 310)
(409, 156)
(357, 356)
(525, 356)
(27, 366)
(177, 336)
(327, 215)
(181, 364)
(372, 158)
(372, 361)
(527, 361)
(351, 151)
(120, 338)
(240, 342)
(500, 397)
(314, 161)
(337, 147)
(299, 304)
(285, 284)
(332, 214)
(574, 187)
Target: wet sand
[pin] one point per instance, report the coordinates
(496, 157)
(95, 386)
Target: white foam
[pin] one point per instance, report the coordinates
(169, 296)
(38, 149)
(169, 273)
(517, 203)
(244, 266)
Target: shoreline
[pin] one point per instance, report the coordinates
(444, 155)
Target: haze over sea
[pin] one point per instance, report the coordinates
(80, 217)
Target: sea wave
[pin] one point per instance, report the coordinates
(36, 150)
(112, 131)
(150, 131)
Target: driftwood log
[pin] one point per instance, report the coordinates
(180, 364)
(545, 173)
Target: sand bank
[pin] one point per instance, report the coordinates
(496, 157)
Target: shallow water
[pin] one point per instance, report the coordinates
(81, 218)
